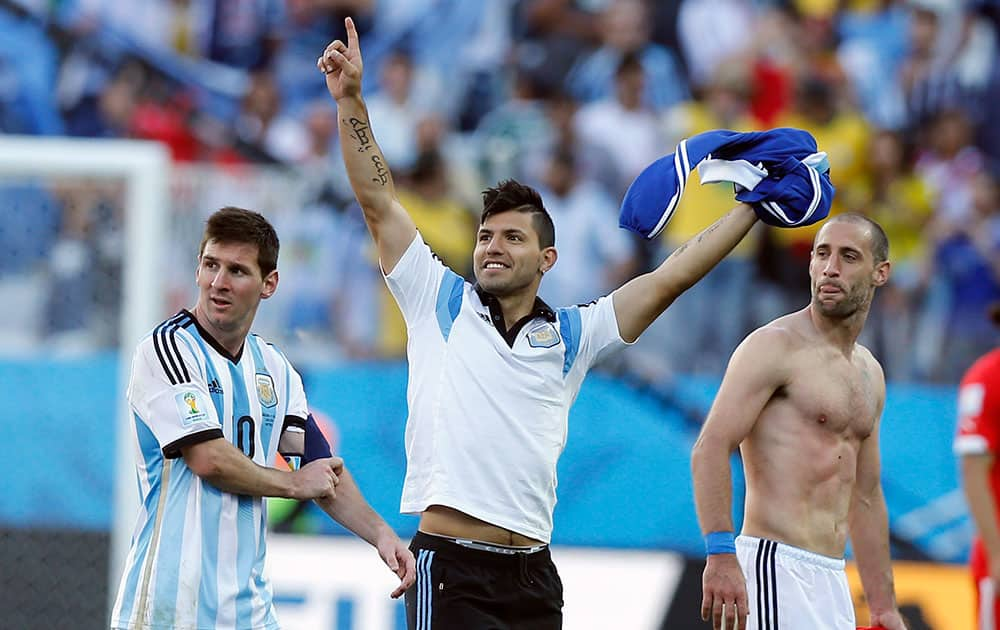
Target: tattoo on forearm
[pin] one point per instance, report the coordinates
(381, 172)
(360, 132)
(704, 233)
(701, 236)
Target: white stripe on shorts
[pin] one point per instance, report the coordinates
(425, 589)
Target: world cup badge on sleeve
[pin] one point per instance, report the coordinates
(191, 407)
(265, 390)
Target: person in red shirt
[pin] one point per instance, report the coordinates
(977, 445)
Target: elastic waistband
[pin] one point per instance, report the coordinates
(479, 551)
(797, 553)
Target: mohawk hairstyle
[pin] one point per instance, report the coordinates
(511, 195)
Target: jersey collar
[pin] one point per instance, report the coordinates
(540, 309)
(234, 358)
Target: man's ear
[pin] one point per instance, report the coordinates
(881, 273)
(549, 256)
(270, 285)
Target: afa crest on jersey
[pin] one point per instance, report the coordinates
(265, 390)
(544, 336)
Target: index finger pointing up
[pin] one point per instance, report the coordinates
(352, 34)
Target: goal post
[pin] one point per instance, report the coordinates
(144, 167)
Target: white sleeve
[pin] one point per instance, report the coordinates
(590, 331)
(297, 405)
(415, 281)
(167, 390)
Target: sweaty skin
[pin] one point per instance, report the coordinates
(800, 458)
(802, 399)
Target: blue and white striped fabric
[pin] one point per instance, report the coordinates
(425, 589)
(780, 172)
(197, 553)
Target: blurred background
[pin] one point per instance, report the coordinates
(574, 97)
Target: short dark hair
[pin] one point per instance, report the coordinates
(512, 195)
(879, 241)
(237, 225)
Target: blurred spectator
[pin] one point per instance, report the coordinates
(262, 125)
(873, 46)
(713, 32)
(331, 283)
(517, 131)
(625, 32)
(243, 34)
(622, 125)
(967, 263)
(396, 110)
(949, 162)
(593, 162)
(309, 26)
(594, 256)
(28, 69)
(723, 103)
(84, 268)
(902, 203)
(554, 33)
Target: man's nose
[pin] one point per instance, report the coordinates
(219, 279)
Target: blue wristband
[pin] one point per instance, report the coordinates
(720, 542)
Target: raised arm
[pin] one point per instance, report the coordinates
(350, 509)
(755, 372)
(642, 299)
(387, 220)
(868, 523)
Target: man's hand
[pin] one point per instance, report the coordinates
(724, 592)
(342, 65)
(890, 621)
(318, 478)
(397, 557)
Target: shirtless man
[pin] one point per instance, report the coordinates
(802, 400)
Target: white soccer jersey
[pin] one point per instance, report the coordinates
(487, 420)
(197, 553)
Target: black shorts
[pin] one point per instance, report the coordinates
(468, 589)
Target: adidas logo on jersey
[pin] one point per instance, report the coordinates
(214, 387)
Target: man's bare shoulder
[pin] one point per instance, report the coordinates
(781, 335)
(870, 365)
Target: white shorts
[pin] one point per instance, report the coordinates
(790, 588)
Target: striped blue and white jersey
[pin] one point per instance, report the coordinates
(197, 553)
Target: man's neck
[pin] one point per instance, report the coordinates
(516, 307)
(232, 342)
(841, 333)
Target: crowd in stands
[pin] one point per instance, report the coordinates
(574, 97)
